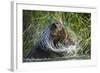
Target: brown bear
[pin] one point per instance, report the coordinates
(54, 42)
